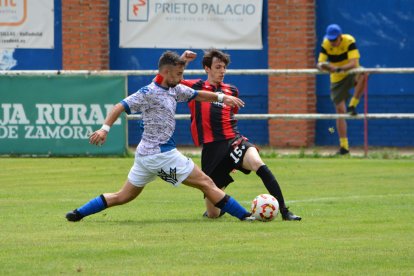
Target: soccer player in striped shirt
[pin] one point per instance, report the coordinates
(338, 55)
(214, 126)
(156, 154)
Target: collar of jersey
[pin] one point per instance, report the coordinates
(159, 85)
(214, 86)
(157, 80)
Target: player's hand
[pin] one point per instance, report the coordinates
(188, 56)
(325, 66)
(232, 101)
(98, 137)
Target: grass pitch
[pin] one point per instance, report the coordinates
(357, 219)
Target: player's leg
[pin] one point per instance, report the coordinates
(253, 162)
(103, 201)
(128, 193)
(339, 95)
(341, 126)
(138, 177)
(199, 180)
(221, 177)
(215, 164)
(212, 211)
(359, 82)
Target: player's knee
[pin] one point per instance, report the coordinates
(213, 213)
(257, 164)
(362, 77)
(340, 108)
(252, 162)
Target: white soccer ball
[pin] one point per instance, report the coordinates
(265, 207)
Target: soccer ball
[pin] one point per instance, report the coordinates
(265, 207)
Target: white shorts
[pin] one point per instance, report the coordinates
(171, 166)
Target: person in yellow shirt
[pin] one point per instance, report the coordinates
(338, 55)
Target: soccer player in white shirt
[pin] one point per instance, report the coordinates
(156, 154)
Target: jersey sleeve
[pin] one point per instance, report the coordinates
(185, 94)
(352, 48)
(353, 51)
(323, 55)
(134, 102)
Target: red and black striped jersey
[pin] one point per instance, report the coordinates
(211, 122)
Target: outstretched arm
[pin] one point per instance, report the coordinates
(99, 137)
(206, 96)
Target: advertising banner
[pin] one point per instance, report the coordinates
(55, 115)
(224, 24)
(27, 24)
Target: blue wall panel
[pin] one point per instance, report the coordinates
(384, 33)
(253, 89)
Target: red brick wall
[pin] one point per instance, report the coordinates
(291, 46)
(85, 34)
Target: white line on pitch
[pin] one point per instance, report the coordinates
(342, 198)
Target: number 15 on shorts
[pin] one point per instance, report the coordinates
(237, 153)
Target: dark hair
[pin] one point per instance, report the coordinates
(170, 58)
(214, 53)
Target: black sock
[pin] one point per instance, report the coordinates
(222, 202)
(231, 206)
(271, 184)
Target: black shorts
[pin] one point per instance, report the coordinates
(219, 159)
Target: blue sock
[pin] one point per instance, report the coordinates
(233, 207)
(93, 206)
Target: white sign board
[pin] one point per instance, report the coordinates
(224, 24)
(26, 24)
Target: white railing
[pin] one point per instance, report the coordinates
(269, 72)
(301, 116)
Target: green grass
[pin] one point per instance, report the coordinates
(357, 219)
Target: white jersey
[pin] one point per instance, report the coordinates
(157, 105)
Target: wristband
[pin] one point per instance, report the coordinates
(105, 127)
(338, 70)
(220, 97)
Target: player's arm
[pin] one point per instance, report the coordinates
(323, 63)
(99, 137)
(325, 66)
(206, 96)
(353, 58)
(352, 63)
(188, 56)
